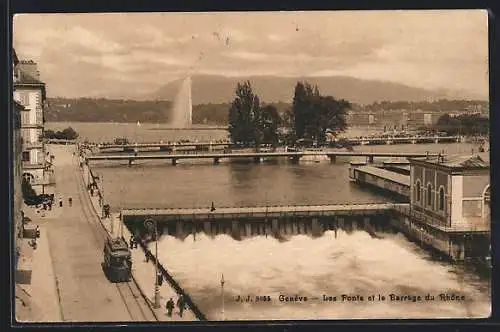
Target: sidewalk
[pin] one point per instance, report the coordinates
(144, 272)
(40, 293)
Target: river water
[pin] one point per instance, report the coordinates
(353, 264)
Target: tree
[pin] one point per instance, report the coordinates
(29, 194)
(314, 114)
(244, 116)
(67, 133)
(270, 120)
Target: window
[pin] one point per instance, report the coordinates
(26, 156)
(429, 194)
(24, 98)
(417, 191)
(441, 199)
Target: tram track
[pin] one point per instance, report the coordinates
(135, 302)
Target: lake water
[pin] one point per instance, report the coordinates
(351, 264)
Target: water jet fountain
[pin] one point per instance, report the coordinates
(182, 109)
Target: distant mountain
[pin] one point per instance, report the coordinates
(220, 89)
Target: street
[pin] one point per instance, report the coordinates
(75, 240)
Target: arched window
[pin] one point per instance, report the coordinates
(441, 199)
(417, 191)
(429, 194)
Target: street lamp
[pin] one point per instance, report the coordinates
(152, 223)
(222, 291)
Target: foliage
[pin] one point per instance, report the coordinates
(249, 124)
(121, 141)
(107, 110)
(270, 120)
(67, 133)
(314, 114)
(244, 116)
(443, 105)
(463, 125)
(29, 193)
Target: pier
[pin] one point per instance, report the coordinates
(382, 178)
(255, 156)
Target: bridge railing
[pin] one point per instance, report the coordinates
(172, 282)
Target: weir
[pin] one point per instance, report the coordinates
(277, 221)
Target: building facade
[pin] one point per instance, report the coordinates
(29, 92)
(452, 191)
(450, 204)
(16, 169)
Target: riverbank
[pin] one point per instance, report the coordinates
(143, 271)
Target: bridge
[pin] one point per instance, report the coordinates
(262, 220)
(256, 156)
(212, 145)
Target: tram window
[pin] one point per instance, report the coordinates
(116, 261)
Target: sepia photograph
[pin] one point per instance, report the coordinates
(247, 166)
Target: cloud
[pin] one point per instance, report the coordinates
(439, 49)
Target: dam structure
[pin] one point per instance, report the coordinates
(276, 221)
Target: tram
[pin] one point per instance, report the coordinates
(117, 263)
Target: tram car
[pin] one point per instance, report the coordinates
(117, 263)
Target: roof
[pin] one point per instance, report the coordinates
(385, 174)
(479, 160)
(25, 78)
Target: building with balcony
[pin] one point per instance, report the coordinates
(29, 92)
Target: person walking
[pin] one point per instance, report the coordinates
(70, 201)
(212, 208)
(180, 305)
(159, 278)
(169, 306)
(131, 242)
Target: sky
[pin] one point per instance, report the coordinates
(124, 55)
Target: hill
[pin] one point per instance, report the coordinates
(220, 89)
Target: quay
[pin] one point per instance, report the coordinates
(172, 146)
(295, 156)
(277, 221)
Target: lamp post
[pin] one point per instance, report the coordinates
(222, 294)
(152, 223)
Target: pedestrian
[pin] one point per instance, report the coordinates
(212, 208)
(70, 201)
(169, 306)
(131, 242)
(180, 305)
(91, 191)
(147, 257)
(159, 278)
(60, 202)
